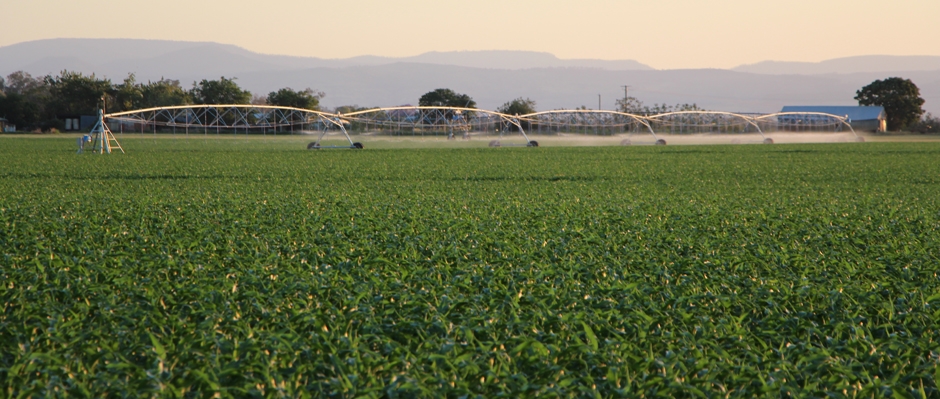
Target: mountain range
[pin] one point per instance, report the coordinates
(490, 77)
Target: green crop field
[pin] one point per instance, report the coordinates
(194, 267)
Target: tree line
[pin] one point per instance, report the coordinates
(33, 103)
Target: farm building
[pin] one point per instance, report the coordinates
(862, 118)
(75, 123)
(6, 126)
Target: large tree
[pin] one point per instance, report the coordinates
(519, 106)
(22, 83)
(27, 102)
(222, 91)
(287, 97)
(446, 98)
(899, 97)
(127, 95)
(75, 93)
(163, 93)
(17, 109)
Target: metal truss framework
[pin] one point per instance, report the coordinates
(229, 118)
(448, 121)
(454, 121)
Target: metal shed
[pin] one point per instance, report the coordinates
(862, 118)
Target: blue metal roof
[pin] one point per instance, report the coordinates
(855, 113)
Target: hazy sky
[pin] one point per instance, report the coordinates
(664, 34)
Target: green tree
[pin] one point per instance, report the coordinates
(899, 97)
(446, 98)
(73, 93)
(222, 91)
(17, 109)
(286, 97)
(519, 106)
(127, 95)
(164, 93)
(22, 83)
(27, 100)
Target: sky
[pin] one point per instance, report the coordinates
(664, 34)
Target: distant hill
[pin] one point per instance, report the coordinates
(490, 77)
(116, 57)
(519, 60)
(860, 64)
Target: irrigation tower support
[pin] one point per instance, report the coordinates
(102, 138)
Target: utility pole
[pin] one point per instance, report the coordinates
(625, 95)
(598, 102)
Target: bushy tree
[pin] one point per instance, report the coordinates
(75, 93)
(127, 95)
(25, 101)
(519, 106)
(22, 83)
(222, 91)
(899, 97)
(17, 109)
(446, 98)
(287, 97)
(164, 93)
